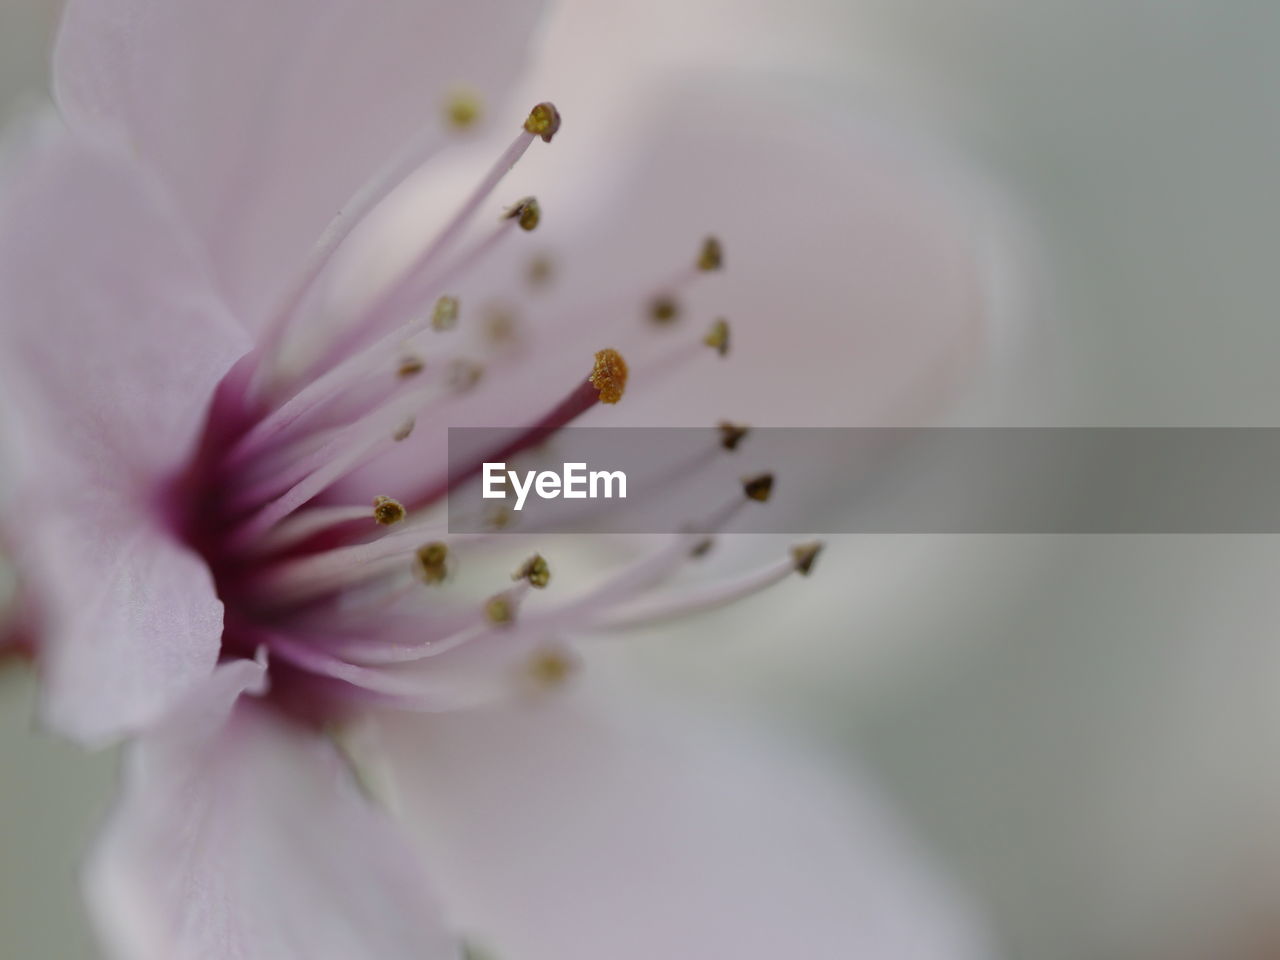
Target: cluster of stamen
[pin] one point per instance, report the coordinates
(336, 596)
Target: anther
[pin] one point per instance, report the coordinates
(541, 270)
(758, 487)
(534, 571)
(609, 375)
(403, 431)
(499, 609)
(464, 374)
(500, 324)
(551, 667)
(463, 109)
(702, 547)
(732, 434)
(664, 309)
(717, 337)
(803, 556)
(410, 366)
(388, 511)
(431, 562)
(527, 213)
(711, 257)
(543, 121)
(445, 314)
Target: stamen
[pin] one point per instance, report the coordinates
(464, 374)
(664, 309)
(551, 667)
(718, 337)
(759, 487)
(410, 365)
(387, 511)
(431, 562)
(500, 324)
(541, 271)
(732, 434)
(543, 121)
(463, 109)
(526, 212)
(445, 314)
(609, 375)
(534, 571)
(403, 431)
(711, 597)
(804, 555)
(500, 609)
(712, 256)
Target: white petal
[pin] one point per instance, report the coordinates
(265, 117)
(591, 827)
(111, 344)
(240, 835)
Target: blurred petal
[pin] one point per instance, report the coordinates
(110, 347)
(265, 118)
(238, 834)
(590, 827)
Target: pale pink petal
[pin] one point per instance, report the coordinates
(592, 826)
(111, 343)
(265, 118)
(239, 835)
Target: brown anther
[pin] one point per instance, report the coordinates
(445, 314)
(500, 324)
(527, 213)
(758, 487)
(543, 121)
(464, 374)
(463, 109)
(711, 257)
(702, 547)
(388, 511)
(551, 667)
(403, 431)
(732, 434)
(717, 337)
(499, 609)
(804, 555)
(535, 571)
(431, 562)
(410, 366)
(609, 375)
(541, 270)
(664, 309)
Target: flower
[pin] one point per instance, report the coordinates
(221, 498)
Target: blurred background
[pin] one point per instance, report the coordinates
(1085, 731)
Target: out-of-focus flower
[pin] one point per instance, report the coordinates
(222, 487)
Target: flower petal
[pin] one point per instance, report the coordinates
(111, 344)
(265, 118)
(592, 827)
(239, 834)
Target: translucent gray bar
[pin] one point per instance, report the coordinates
(926, 480)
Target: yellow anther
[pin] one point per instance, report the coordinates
(732, 434)
(711, 257)
(609, 375)
(664, 309)
(499, 610)
(527, 213)
(803, 555)
(404, 430)
(543, 121)
(410, 366)
(388, 511)
(445, 314)
(463, 108)
(534, 571)
(431, 562)
(717, 337)
(758, 487)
